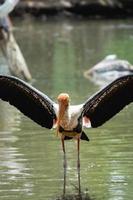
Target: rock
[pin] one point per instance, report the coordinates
(101, 8)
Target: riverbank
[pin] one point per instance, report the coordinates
(84, 8)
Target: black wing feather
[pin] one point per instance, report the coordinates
(28, 100)
(109, 101)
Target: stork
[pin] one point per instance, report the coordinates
(7, 7)
(11, 51)
(68, 119)
(110, 63)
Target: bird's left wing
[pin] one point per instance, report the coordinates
(109, 101)
(30, 101)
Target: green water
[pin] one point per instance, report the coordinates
(31, 159)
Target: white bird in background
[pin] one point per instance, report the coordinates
(68, 120)
(109, 69)
(7, 7)
(109, 64)
(11, 51)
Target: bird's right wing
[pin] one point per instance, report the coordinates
(30, 101)
(109, 101)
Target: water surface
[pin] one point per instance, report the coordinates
(31, 159)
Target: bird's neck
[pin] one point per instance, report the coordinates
(63, 115)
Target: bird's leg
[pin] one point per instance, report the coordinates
(64, 186)
(78, 163)
(79, 186)
(63, 148)
(78, 150)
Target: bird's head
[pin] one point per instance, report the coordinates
(63, 99)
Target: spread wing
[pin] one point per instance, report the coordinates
(30, 101)
(109, 101)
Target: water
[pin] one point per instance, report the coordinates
(31, 159)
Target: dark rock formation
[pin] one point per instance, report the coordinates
(89, 8)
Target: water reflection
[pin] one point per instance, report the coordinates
(65, 182)
(12, 162)
(77, 194)
(3, 65)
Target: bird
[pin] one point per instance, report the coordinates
(111, 63)
(11, 51)
(14, 60)
(7, 7)
(109, 69)
(69, 120)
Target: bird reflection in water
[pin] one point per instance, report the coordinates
(78, 188)
(78, 194)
